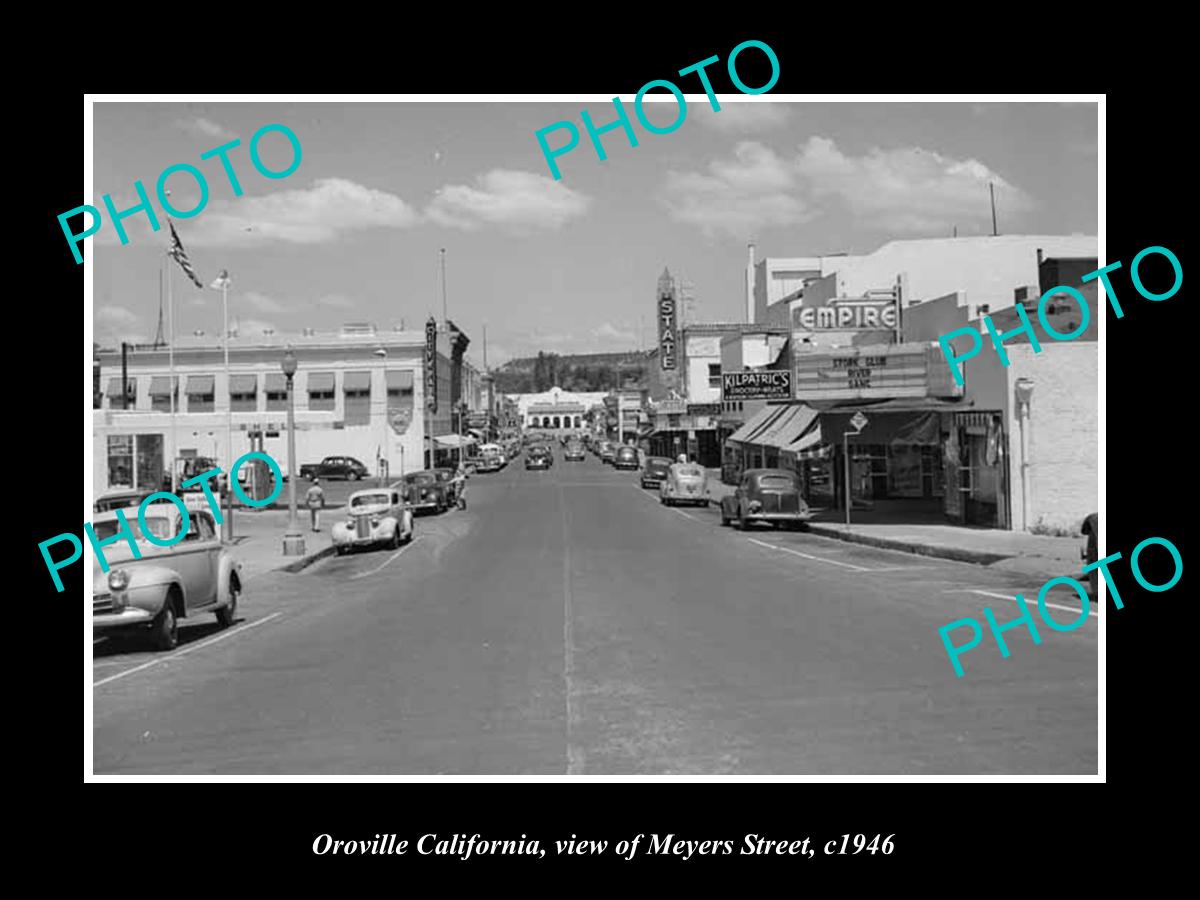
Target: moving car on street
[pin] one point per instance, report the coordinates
(626, 457)
(608, 451)
(574, 452)
(423, 490)
(684, 483)
(538, 457)
(152, 593)
(335, 467)
(655, 471)
(377, 516)
(766, 495)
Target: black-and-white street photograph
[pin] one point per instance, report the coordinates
(659, 437)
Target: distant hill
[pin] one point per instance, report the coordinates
(570, 371)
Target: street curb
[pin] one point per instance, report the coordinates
(976, 557)
(305, 561)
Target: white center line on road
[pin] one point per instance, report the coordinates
(1014, 599)
(187, 650)
(807, 556)
(386, 561)
(574, 756)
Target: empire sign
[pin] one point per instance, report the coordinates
(862, 315)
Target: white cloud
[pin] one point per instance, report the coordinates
(262, 302)
(907, 189)
(324, 211)
(741, 118)
(252, 327)
(753, 190)
(204, 128)
(519, 200)
(336, 301)
(609, 332)
(113, 324)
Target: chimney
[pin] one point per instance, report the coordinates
(1039, 249)
(750, 285)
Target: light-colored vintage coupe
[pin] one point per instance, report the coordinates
(152, 593)
(684, 483)
(377, 516)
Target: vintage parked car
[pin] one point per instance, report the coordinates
(489, 462)
(335, 467)
(684, 483)
(654, 473)
(626, 457)
(446, 477)
(120, 500)
(574, 452)
(538, 456)
(151, 593)
(377, 516)
(608, 451)
(1089, 552)
(424, 490)
(766, 495)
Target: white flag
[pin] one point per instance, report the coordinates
(222, 281)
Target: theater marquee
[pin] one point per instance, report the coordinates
(872, 373)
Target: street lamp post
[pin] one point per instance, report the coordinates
(293, 540)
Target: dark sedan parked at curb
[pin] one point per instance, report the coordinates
(335, 467)
(1089, 552)
(426, 490)
(766, 495)
(655, 472)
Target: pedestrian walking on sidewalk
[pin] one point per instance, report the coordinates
(315, 498)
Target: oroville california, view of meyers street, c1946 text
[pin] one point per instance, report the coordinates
(412, 457)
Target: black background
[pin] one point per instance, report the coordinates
(950, 837)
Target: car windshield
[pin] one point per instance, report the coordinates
(690, 472)
(159, 526)
(120, 501)
(421, 478)
(777, 483)
(369, 500)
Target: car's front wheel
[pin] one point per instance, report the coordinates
(227, 614)
(164, 631)
(353, 476)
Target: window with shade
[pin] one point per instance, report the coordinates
(243, 393)
(161, 390)
(320, 391)
(714, 375)
(275, 387)
(201, 392)
(357, 387)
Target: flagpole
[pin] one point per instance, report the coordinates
(230, 476)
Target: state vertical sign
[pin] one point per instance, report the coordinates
(431, 385)
(666, 331)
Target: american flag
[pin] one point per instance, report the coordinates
(180, 256)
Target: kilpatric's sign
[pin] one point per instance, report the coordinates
(773, 385)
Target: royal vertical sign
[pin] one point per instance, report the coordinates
(666, 331)
(431, 365)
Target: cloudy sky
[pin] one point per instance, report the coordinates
(569, 265)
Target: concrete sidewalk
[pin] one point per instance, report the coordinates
(1040, 556)
(258, 540)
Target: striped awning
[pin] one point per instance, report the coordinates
(758, 423)
(356, 381)
(275, 383)
(114, 386)
(788, 426)
(454, 440)
(399, 379)
(200, 385)
(320, 381)
(243, 384)
(160, 386)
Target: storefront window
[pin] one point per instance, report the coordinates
(150, 461)
(120, 460)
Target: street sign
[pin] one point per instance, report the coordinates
(859, 421)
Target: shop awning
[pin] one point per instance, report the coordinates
(114, 386)
(787, 427)
(453, 441)
(200, 384)
(275, 383)
(160, 385)
(399, 379)
(243, 384)
(759, 422)
(320, 381)
(356, 381)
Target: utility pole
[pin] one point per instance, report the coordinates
(992, 190)
(124, 375)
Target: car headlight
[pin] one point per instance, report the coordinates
(118, 580)
(374, 520)
(350, 522)
(755, 506)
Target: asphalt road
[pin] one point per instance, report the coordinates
(567, 623)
